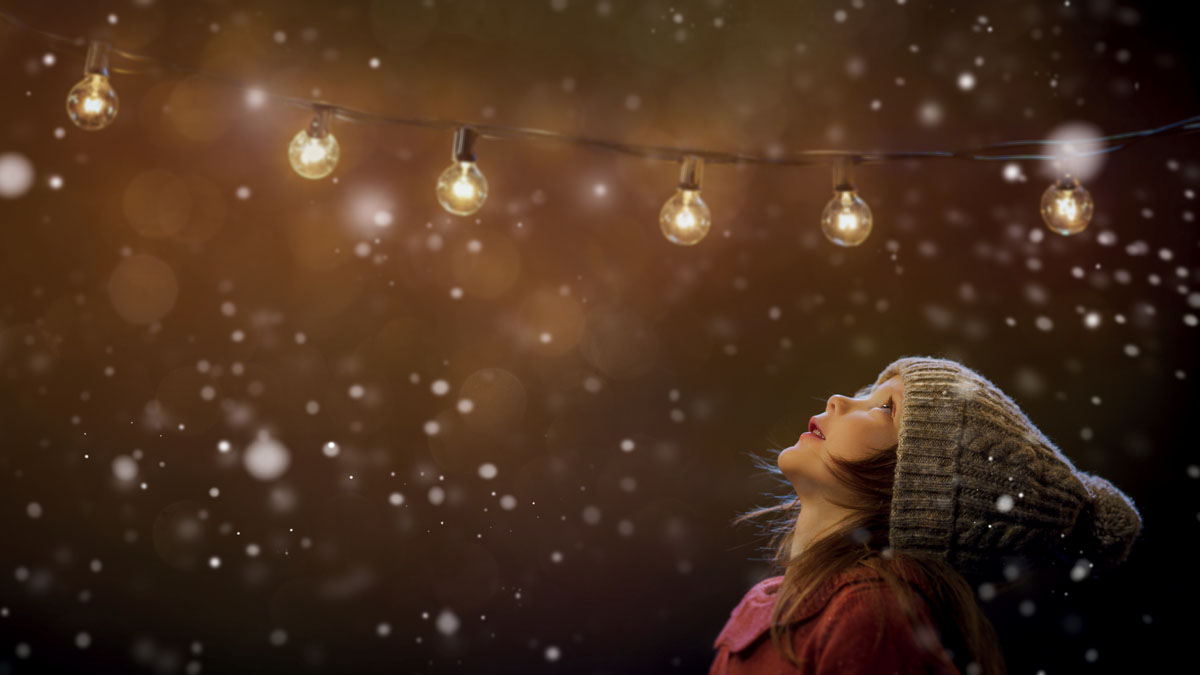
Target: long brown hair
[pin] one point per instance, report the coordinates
(862, 540)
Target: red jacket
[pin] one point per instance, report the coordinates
(836, 631)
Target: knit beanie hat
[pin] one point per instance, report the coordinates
(976, 481)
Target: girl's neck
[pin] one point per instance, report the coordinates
(816, 518)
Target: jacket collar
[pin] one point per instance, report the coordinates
(752, 616)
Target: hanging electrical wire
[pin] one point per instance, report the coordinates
(1066, 207)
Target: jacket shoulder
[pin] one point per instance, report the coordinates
(751, 618)
(864, 624)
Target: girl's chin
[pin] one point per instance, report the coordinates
(789, 457)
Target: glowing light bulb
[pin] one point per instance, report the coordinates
(313, 152)
(685, 218)
(846, 220)
(92, 103)
(1066, 206)
(462, 189)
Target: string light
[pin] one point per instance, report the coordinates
(462, 189)
(313, 151)
(92, 104)
(685, 218)
(846, 220)
(1066, 206)
(1070, 206)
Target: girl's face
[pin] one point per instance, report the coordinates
(855, 429)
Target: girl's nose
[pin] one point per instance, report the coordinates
(836, 401)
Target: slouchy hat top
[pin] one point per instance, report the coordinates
(976, 481)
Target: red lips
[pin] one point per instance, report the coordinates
(812, 424)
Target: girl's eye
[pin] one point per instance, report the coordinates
(892, 409)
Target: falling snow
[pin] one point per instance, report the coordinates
(349, 425)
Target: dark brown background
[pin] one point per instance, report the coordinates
(622, 561)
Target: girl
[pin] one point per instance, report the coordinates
(906, 496)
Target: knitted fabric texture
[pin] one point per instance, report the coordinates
(976, 481)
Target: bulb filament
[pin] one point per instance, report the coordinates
(1067, 208)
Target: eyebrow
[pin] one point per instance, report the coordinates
(869, 390)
